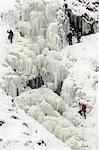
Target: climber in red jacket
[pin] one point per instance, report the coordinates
(83, 109)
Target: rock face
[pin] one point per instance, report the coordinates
(83, 15)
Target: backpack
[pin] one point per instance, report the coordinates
(83, 106)
(79, 34)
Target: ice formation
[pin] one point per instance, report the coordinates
(56, 116)
(39, 47)
(26, 133)
(51, 110)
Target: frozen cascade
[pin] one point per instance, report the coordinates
(55, 115)
(52, 36)
(36, 18)
(38, 24)
(68, 91)
(32, 58)
(35, 56)
(55, 69)
(41, 42)
(24, 28)
(12, 83)
(39, 62)
(51, 9)
(29, 62)
(36, 53)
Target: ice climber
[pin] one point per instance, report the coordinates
(69, 36)
(83, 107)
(78, 36)
(10, 36)
(65, 6)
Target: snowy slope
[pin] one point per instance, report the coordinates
(84, 70)
(20, 132)
(58, 118)
(6, 5)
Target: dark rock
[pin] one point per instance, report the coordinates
(25, 124)
(36, 131)
(1, 140)
(1, 123)
(39, 143)
(17, 92)
(14, 117)
(26, 133)
(12, 100)
(10, 109)
(43, 142)
(14, 69)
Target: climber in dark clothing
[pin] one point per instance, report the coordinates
(83, 110)
(67, 11)
(10, 36)
(69, 36)
(65, 5)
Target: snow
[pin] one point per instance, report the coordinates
(23, 132)
(6, 5)
(2, 38)
(49, 107)
(43, 48)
